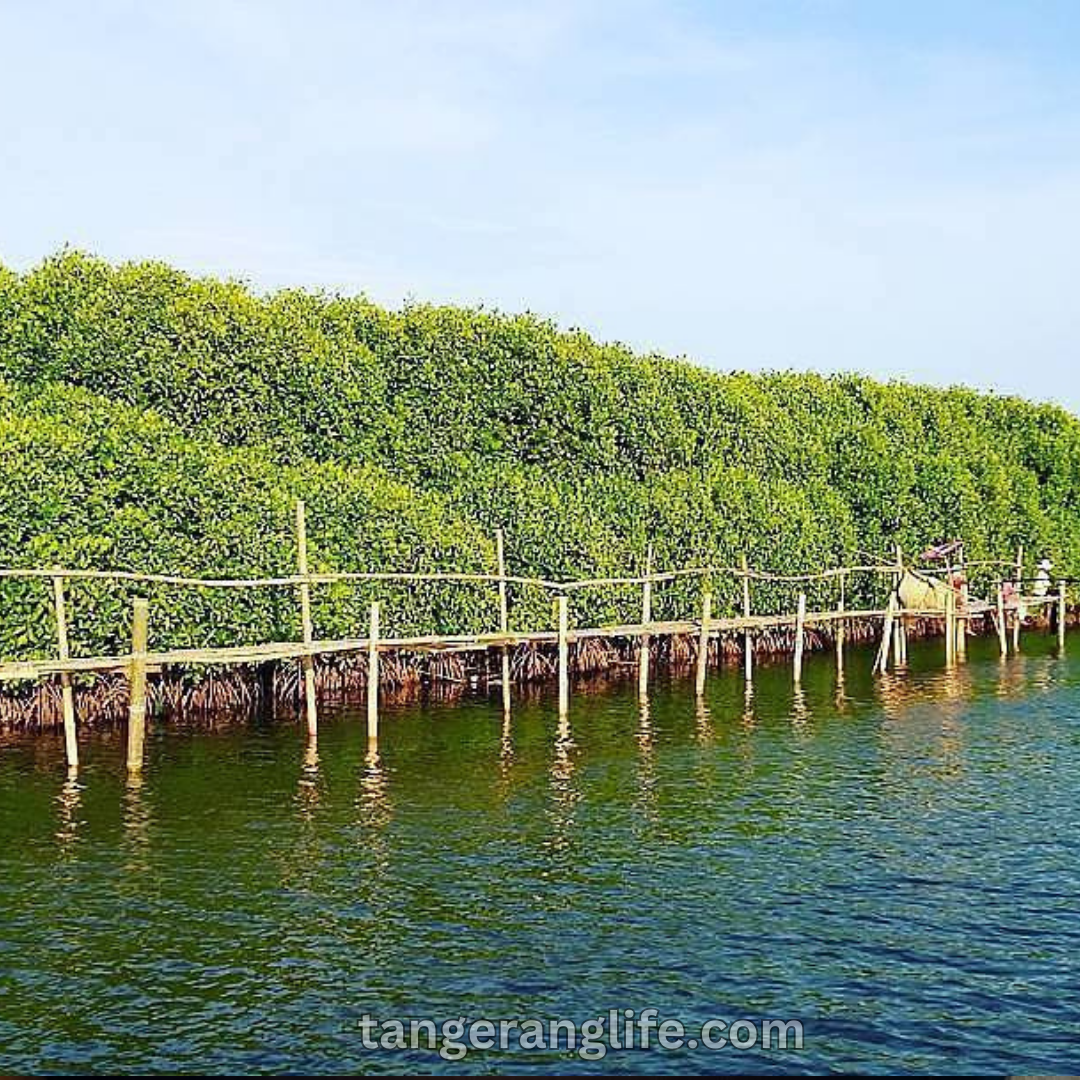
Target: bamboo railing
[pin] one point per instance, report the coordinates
(141, 658)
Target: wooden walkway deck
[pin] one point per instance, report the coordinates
(142, 660)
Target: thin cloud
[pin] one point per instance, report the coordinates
(815, 188)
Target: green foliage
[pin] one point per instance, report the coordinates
(153, 421)
(86, 483)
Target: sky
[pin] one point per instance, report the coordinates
(830, 185)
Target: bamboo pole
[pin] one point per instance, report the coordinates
(564, 656)
(703, 642)
(140, 621)
(1017, 615)
(373, 674)
(504, 618)
(950, 627)
(881, 663)
(961, 619)
(1003, 636)
(290, 580)
(646, 620)
(800, 624)
(748, 641)
(897, 644)
(840, 627)
(307, 663)
(67, 694)
(398, 576)
(1061, 615)
(899, 628)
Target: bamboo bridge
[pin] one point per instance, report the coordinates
(955, 616)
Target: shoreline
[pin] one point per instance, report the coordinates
(276, 688)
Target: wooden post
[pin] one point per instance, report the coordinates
(564, 656)
(840, 626)
(703, 642)
(1061, 615)
(646, 619)
(882, 662)
(900, 628)
(140, 622)
(67, 695)
(748, 641)
(307, 663)
(1018, 614)
(1003, 637)
(961, 619)
(800, 622)
(373, 674)
(504, 619)
(950, 627)
(898, 621)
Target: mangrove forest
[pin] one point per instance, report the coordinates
(155, 421)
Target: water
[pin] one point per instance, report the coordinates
(893, 863)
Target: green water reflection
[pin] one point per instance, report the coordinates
(892, 860)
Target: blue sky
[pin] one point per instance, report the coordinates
(891, 188)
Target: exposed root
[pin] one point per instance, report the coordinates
(276, 689)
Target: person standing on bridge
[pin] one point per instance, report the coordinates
(1042, 579)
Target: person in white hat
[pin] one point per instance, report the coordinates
(1042, 578)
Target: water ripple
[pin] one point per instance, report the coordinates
(894, 862)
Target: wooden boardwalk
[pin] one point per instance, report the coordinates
(141, 659)
(294, 650)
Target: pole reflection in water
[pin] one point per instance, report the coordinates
(137, 822)
(1041, 672)
(1022, 674)
(841, 699)
(68, 806)
(372, 878)
(300, 862)
(1012, 677)
(565, 793)
(747, 718)
(644, 728)
(645, 799)
(506, 753)
(374, 809)
(922, 730)
(894, 693)
(307, 787)
(705, 774)
(703, 724)
(800, 711)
